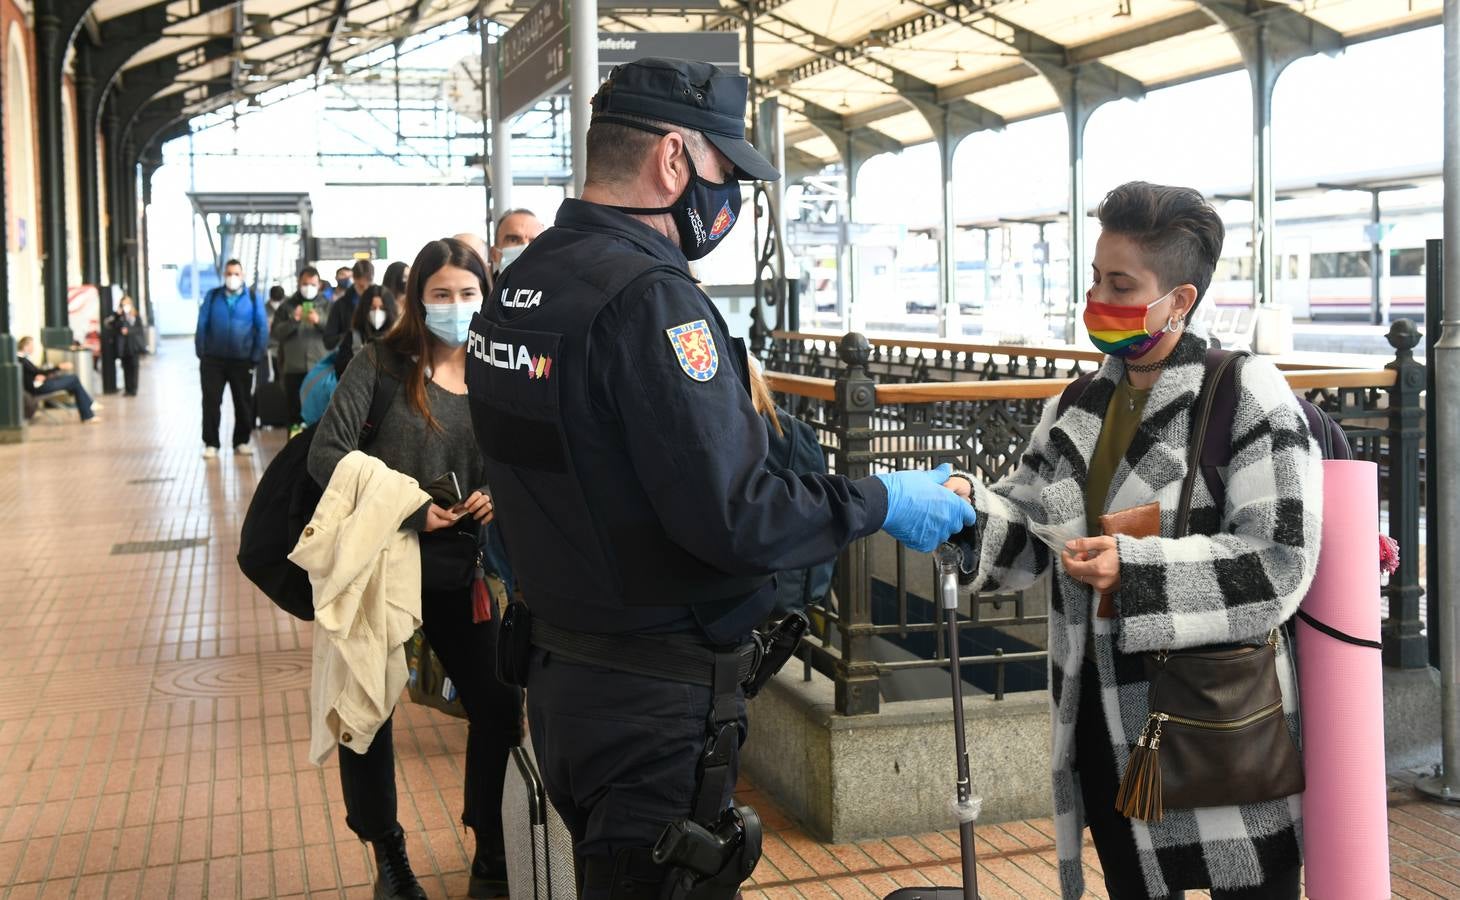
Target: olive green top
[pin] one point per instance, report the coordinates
(1122, 418)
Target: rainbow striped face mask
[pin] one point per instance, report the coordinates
(1121, 330)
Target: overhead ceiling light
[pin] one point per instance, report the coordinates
(844, 104)
(957, 64)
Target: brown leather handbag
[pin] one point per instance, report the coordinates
(1216, 734)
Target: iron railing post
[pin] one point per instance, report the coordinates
(857, 690)
(1404, 646)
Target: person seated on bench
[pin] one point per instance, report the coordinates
(40, 382)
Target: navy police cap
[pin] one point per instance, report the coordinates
(697, 95)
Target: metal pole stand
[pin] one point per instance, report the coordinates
(1446, 364)
(967, 806)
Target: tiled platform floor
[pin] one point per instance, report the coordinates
(153, 718)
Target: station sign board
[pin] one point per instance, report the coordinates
(617, 47)
(332, 248)
(533, 58)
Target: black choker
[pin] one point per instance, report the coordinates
(1148, 367)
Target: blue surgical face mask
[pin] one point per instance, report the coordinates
(450, 321)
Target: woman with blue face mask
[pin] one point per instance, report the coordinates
(426, 433)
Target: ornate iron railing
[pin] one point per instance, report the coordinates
(880, 619)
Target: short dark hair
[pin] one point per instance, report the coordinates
(276, 292)
(519, 211)
(1176, 227)
(308, 271)
(616, 152)
(363, 268)
(342, 269)
(394, 279)
(233, 262)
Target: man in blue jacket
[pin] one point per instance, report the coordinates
(232, 337)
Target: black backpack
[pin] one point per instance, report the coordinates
(798, 449)
(284, 502)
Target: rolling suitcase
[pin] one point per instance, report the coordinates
(539, 847)
(271, 405)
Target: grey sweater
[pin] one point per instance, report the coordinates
(403, 440)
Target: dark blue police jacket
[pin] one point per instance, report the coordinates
(627, 464)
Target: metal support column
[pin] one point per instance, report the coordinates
(1269, 39)
(49, 51)
(949, 324)
(843, 250)
(501, 140)
(115, 188)
(1434, 312)
(1446, 364)
(482, 69)
(1376, 262)
(87, 98)
(1263, 70)
(1077, 116)
(12, 409)
(583, 58)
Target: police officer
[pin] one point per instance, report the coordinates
(629, 467)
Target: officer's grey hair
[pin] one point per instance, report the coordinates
(616, 152)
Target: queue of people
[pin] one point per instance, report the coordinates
(586, 399)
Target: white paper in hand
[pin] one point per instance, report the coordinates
(1053, 536)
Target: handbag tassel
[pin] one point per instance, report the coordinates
(1139, 796)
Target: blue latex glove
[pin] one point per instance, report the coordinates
(921, 513)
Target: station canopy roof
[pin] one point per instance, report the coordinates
(873, 72)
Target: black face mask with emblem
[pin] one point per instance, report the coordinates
(704, 213)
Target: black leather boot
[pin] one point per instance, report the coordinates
(394, 879)
(488, 877)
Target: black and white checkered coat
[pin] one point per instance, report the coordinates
(1235, 585)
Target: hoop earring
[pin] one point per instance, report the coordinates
(1175, 323)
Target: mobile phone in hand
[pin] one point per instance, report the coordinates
(445, 490)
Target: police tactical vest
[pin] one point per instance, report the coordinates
(586, 545)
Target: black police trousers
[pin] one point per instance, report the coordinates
(618, 754)
(494, 727)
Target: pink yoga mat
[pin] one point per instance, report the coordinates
(1345, 820)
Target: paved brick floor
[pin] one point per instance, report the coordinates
(153, 721)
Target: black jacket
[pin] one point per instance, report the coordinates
(29, 371)
(628, 465)
(134, 342)
(342, 313)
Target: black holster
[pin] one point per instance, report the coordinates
(514, 644)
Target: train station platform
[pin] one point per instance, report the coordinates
(153, 705)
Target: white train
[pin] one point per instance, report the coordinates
(1324, 270)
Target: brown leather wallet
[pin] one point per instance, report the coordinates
(1138, 521)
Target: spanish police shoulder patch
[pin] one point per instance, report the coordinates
(694, 346)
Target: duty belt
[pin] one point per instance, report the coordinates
(667, 657)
